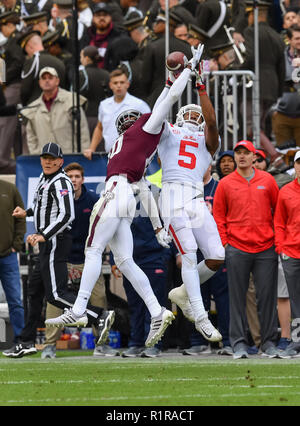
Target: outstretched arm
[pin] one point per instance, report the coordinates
(210, 129)
(160, 113)
(165, 91)
(169, 96)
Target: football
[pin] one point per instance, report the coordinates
(175, 62)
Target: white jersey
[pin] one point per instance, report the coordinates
(184, 159)
(183, 155)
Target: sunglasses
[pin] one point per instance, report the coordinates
(259, 160)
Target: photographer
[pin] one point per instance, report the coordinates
(286, 118)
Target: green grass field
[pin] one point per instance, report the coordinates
(166, 381)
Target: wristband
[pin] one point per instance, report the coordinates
(202, 93)
(200, 87)
(169, 83)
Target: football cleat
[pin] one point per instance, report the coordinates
(67, 319)
(105, 321)
(158, 327)
(179, 296)
(208, 331)
(20, 350)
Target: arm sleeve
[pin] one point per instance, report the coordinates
(280, 219)
(161, 97)
(149, 203)
(154, 124)
(20, 225)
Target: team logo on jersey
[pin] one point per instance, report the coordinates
(108, 196)
(63, 192)
(191, 137)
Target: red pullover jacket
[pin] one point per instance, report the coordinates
(287, 220)
(244, 211)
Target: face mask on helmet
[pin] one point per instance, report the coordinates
(127, 119)
(190, 116)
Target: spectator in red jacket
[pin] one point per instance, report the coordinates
(287, 241)
(243, 210)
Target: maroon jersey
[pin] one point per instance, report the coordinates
(133, 151)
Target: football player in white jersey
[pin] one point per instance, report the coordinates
(186, 150)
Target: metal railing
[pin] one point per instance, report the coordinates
(231, 92)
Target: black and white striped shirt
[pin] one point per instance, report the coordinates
(53, 204)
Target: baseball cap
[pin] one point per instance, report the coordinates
(246, 144)
(297, 156)
(50, 70)
(261, 153)
(101, 7)
(53, 149)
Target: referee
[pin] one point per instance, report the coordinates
(53, 212)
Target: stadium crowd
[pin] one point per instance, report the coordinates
(61, 73)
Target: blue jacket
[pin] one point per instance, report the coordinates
(229, 153)
(80, 226)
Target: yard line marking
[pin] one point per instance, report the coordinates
(149, 380)
(143, 398)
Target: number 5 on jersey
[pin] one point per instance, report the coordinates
(191, 162)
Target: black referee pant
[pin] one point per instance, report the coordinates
(53, 260)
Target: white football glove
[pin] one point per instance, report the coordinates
(199, 73)
(163, 238)
(197, 53)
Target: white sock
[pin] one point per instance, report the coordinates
(190, 278)
(141, 284)
(204, 272)
(90, 274)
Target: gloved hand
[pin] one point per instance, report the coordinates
(163, 238)
(200, 85)
(197, 53)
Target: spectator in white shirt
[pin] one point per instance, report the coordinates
(109, 110)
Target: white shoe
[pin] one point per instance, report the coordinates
(67, 319)
(208, 331)
(49, 352)
(179, 296)
(158, 327)
(105, 321)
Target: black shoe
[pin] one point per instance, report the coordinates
(19, 350)
(105, 322)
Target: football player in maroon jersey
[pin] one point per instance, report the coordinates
(113, 213)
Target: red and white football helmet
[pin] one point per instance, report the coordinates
(190, 116)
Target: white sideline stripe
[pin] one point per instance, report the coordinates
(143, 398)
(177, 379)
